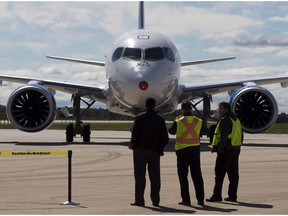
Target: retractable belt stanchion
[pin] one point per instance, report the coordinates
(69, 153)
(69, 202)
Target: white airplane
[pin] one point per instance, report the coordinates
(138, 65)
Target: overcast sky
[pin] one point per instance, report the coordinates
(256, 33)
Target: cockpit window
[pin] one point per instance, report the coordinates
(154, 54)
(150, 54)
(132, 54)
(169, 54)
(117, 54)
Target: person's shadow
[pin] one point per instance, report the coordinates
(165, 209)
(250, 205)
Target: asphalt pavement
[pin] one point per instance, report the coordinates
(103, 182)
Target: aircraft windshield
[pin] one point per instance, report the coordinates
(132, 53)
(149, 54)
(169, 54)
(117, 54)
(154, 54)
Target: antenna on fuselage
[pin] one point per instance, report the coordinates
(141, 15)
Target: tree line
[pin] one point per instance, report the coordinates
(104, 114)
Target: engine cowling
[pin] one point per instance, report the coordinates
(255, 107)
(31, 108)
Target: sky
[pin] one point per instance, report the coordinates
(256, 33)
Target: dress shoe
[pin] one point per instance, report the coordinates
(137, 204)
(201, 203)
(214, 199)
(229, 199)
(184, 203)
(155, 204)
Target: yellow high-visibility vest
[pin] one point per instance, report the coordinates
(235, 135)
(188, 132)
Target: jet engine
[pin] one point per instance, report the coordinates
(31, 108)
(255, 107)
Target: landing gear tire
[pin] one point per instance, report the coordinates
(69, 132)
(211, 133)
(86, 133)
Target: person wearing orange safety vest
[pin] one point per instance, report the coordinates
(187, 130)
(227, 141)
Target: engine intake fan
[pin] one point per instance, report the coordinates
(31, 108)
(255, 107)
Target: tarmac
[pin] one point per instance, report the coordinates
(103, 181)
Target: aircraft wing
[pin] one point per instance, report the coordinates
(187, 63)
(86, 91)
(193, 92)
(98, 63)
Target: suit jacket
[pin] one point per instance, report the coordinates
(149, 132)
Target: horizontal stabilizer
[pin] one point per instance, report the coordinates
(187, 63)
(98, 63)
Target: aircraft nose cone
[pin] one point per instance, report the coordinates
(143, 85)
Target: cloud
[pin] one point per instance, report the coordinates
(197, 75)
(34, 46)
(72, 72)
(243, 43)
(279, 19)
(243, 50)
(186, 20)
(246, 39)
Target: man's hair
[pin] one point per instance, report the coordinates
(225, 105)
(186, 105)
(150, 103)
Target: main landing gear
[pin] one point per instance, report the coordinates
(79, 128)
(209, 132)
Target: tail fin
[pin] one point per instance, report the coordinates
(141, 15)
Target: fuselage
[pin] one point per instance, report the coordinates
(139, 65)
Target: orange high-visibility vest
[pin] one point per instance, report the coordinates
(188, 132)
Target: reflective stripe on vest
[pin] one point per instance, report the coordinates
(188, 132)
(235, 135)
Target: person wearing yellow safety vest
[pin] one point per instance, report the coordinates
(187, 129)
(227, 141)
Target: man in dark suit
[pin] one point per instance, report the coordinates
(149, 137)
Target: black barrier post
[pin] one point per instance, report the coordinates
(69, 176)
(69, 202)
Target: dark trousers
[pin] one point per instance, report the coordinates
(146, 158)
(190, 158)
(227, 162)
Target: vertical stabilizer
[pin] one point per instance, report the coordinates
(141, 15)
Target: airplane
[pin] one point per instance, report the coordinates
(139, 64)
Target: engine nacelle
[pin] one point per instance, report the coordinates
(31, 108)
(255, 107)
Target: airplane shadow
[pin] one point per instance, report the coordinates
(66, 144)
(170, 147)
(266, 145)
